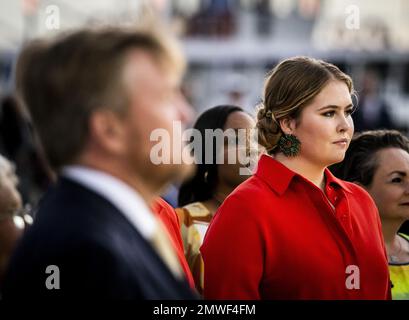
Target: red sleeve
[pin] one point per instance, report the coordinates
(372, 204)
(169, 218)
(389, 292)
(233, 253)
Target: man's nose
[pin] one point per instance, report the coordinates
(185, 109)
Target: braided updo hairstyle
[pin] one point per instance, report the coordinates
(290, 86)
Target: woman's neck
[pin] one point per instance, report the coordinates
(397, 249)
(311, 172)
(221, 192)
(390, 229)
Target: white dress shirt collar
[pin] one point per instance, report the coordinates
(122, 196)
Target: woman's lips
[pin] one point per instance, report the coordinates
(342, 142)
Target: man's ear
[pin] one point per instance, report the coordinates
(107, 130)
(287, 125)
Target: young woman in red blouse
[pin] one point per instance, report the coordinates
(293, 230)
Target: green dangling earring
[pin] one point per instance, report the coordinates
(289, 145)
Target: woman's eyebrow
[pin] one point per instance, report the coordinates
(401, 173)
(332, 106)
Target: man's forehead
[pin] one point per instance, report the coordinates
(142, 65)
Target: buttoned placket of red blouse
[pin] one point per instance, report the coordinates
(339, 217)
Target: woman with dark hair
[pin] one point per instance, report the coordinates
(293, 230)
(201, 196)
(379, 162)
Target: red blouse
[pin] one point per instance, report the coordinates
(169, 218)
(277, 237)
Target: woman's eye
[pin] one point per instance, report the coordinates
(396, 180)
(349, 112)
(329, 114)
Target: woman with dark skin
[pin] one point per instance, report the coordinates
(201, 196)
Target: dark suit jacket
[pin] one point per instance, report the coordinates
(98, 252)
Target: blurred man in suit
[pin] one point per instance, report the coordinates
(95, 97)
